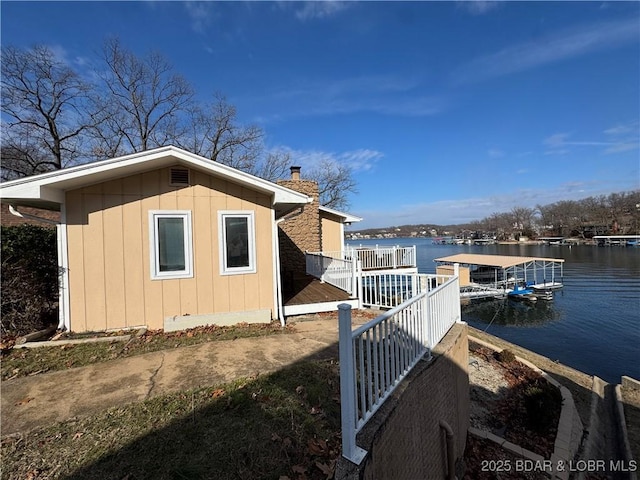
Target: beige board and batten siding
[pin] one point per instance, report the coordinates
(331, 232)
(464, 274)
(109, 258)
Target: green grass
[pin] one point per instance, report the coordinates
(284, 424)
(21, 362)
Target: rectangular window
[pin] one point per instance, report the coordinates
(170, 249)
(237, 242)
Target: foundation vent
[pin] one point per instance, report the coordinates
(179, 177)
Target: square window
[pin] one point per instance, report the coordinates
(170, 249)
(237, 242)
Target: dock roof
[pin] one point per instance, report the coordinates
(499, 261)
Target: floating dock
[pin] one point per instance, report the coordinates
(618, 240)
(487, 276)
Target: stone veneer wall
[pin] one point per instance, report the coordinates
(300, 233)
(404, 438)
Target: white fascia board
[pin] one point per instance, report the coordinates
(58, 181)
(31, 191)
(347, 218)
(280, 194)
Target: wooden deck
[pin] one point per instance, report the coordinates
(308, 290)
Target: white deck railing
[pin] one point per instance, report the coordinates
(375, 357)
(388, 290)
(335, 271)
(383, 257)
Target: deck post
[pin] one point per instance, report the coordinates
(354, 279)
(348, 406)
(429, 323)
(360, 287)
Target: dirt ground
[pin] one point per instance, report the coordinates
(578, 383)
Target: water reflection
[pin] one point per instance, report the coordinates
(508, 312)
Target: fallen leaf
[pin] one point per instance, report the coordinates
(218, 392)
(78, 435)
(326, 469)
(32, 474)
(317, 446)
(299, 469)
(24, 401)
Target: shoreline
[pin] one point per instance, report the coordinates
(603, 414)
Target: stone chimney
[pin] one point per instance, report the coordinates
(300, 232)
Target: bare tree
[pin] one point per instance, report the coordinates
(501, 224)
(214, 132)
(21, 159)
(335, 182)
(45, 103)
(523, 219)
(274, 165)
(142, 103)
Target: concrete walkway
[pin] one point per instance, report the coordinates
(47, 398)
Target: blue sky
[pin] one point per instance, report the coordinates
(446, 111)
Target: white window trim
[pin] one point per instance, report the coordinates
(154, 258)
(222, 242)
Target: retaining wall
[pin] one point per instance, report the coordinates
(404, 439)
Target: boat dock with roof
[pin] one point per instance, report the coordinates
(487, 276)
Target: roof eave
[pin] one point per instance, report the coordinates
(50, 187)
(346, 217)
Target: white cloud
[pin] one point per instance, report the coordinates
(319, 9)
(622, 129)
(557, 151)
(60, 54)
(623, 138)
(555, 140)
(622, 147)
(477, 7)
(552, 48)
(382, 94)
(200, 14)
(560, 140)
(495, 153)
(359, 160)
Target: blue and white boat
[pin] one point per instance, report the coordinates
(520, 292)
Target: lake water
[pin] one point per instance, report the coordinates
(592, 324)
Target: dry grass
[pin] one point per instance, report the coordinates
(284, 424)
(21, 362)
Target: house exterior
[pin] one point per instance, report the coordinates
(164, 239)
(315, 228)
(332, 224)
